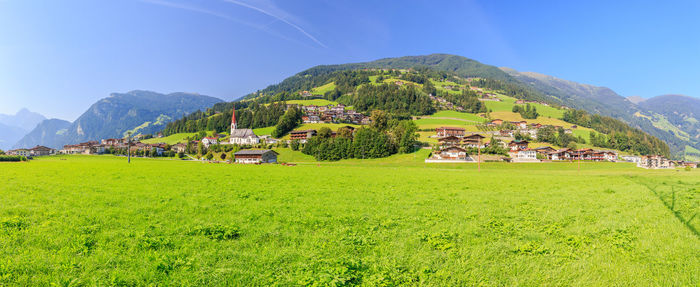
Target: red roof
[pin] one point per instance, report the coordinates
(233, 116)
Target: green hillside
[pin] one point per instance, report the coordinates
(432, 89)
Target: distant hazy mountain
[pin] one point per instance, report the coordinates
(24, 119)
(636, 99)
(670, 118)
(46, 133)
(9, 135)
(13, 127)
(141, 112)
(677, 115)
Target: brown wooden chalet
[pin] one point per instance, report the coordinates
(544, 149)
(450, 131)
(449, 141)
(474, 141)
(518, 144)
(302, 134)
(256, 156)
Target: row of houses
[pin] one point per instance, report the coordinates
(658, 162)
(32, 152)
(453, 143)
(95, 147)
(332, 114)
(523, 127)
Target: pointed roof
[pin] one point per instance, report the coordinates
(233, 116)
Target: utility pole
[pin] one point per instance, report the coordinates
(128, 147)
(579, 164)
(478, 163)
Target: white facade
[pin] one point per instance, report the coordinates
(209, 141)
(523, 155)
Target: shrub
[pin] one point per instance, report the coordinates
(217, 232)
(12, 158)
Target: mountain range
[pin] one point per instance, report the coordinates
(138, 112)
(672, 118)
(13, 127)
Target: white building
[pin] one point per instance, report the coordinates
(241, 136)
(523, 155)
(207, 141)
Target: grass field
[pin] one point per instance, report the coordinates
(264, 131)
(507, 103)
(94, 220)
(458, 115)
(171, 139)
(431, 123)
(322, 90)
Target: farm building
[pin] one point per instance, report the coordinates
(523, 155)
(255, 156)
(207, 141)
(544, 149)
(520, 124)
(448, 141)
(655, 162)
(450, 154)
(496, 122)
(302, 135)
(506, 133)
(41, 151)
(22, 152)
(518, 144)
(112, 142)
(474, 141)
(450, 131)
(560, 154)
(180, 147)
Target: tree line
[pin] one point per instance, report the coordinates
(392, 99)
(617, 134)
(555, 136)
(513, 90)
(252, 116)
(527, 112)
(384, 137)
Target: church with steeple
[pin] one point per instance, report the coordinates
(241, 136)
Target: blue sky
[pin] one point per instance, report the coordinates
(59, 57)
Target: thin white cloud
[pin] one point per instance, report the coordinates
(279, 16)
(263, 28)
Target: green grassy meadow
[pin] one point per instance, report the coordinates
(171, 139)
(96, 220)
(322, 90)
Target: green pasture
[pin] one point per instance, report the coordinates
(507, 103)
(322, 90)
(458, 115)
(171, 139)
(98, 221)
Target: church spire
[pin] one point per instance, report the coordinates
(234, 126)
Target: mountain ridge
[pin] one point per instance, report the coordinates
(119, 113)
(13, 127)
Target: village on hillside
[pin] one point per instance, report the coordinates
(454, 144)
(493, 140)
